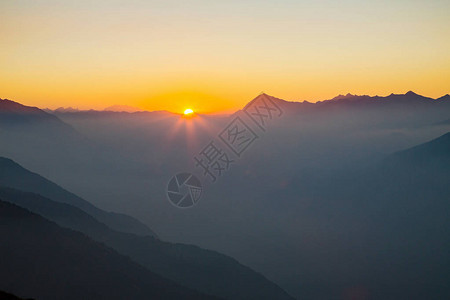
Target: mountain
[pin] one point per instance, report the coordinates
(348, 112)
(206, 271)
(122, 108)
(380, 229)
(8, 296)
(444, 98)
(407, 97)
(300, 206)
(43, 142)
(438, 148)
(8, 106)
(14, 115)
(405, 199)
(289, 197)
(340, 97)
(15, 176)
(43, 260)
(427, 165)
(64, 109)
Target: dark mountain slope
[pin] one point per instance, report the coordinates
(427, 165)
(203, 270)
(438, 148)
(43, 260)
(291, 198)
(14, 176)
(8, 296)
(13, 114)
(42, 142)
(405, 201)
(383, 229)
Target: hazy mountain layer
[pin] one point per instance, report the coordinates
(310, 204)
(43, 260)
(13, 175)
(202, 270)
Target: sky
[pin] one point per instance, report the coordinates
(215, 56)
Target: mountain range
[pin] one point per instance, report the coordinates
(408, 97)
(13, 175)
(336, 198)
(173, 261)
(46, 261)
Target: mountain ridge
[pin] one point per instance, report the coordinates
(43, 260)
(174, 261)
(337, 99)
(16, 176)
(433, 149)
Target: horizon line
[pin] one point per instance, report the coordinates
(136, 109)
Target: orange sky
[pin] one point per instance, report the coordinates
(215, 56)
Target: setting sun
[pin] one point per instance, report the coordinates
(188, 111)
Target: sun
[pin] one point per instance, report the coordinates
(188, 112)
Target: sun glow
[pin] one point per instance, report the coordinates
(188, 111)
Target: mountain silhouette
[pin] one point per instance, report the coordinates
(438, 148)
(63, 109)
(8, 296)
(389, 220)
(444, 98)
(190, 266)
(340, 97)
(18, 116)
(310, 206)
(15, 176)
(122, 108)
(427, 164)
(42, 260)
(407, 98)
(46, 144)
(408, 110)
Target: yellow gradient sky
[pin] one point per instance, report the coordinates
(215, 56)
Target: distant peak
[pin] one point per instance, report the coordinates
(445, 97)
(66, 109)
(263, 95)
(122, 108)
(339, 97)
(410, 94)
(11, 106)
